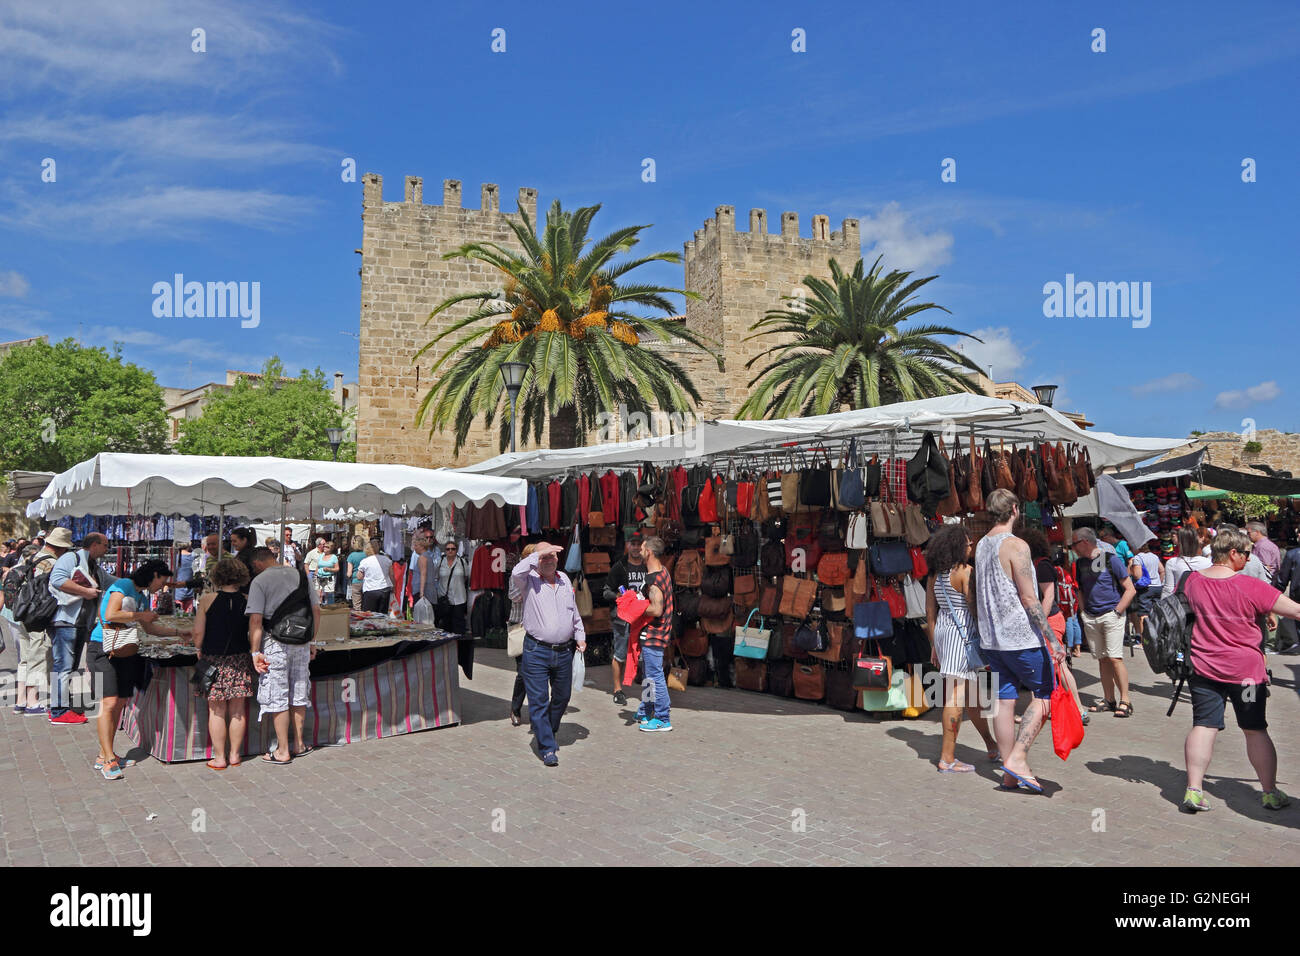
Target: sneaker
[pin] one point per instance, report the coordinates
(551, 759)
(19, 709)
(37, 711)
(619, 698)
(1194, 801)
(655, 725)
(69, 717)
(1275, 800)
(110, 771)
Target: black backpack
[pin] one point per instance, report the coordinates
(1167, 638)
(716, 581)
(33, 606)
(292, 622)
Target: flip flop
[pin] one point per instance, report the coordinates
(212, 766)
(302, 753)
(956, 766)
(270, 758)
(1024, 782)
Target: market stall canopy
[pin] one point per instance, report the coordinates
(1167, 470)
(116, 484)
(902, 423)
(28, 485)
(1248, 484)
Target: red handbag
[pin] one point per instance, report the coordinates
(919, 568)
(805, 540)
(708, 503)
(890, 594)
(1067, 723)
(745, 498)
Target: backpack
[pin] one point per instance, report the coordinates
(689, 569)
(34, 606)
(1067, 592)
(1167, 638)
(292, 622)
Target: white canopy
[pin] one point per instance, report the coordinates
(266, 488)
(904, 422)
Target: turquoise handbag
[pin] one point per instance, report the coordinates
(888, 700)
(573, 561)
(753, 642)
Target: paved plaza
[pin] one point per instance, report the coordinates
(745, 778)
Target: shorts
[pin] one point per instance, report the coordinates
(115, 676)
(621, 630)
(288, 683)
(1105, 634)
(1057, 623)
(1073, 632)
(1145, 598)
(1210, 697)
(1030, 669)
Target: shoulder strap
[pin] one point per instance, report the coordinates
(294, 602)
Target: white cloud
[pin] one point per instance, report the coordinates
(1177, 382)
(169, 211)
(1240, 398)
(903, 243)
(997, 349)
(13, 284)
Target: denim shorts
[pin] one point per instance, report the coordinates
(621, 631)
(1030, 669)
(1210, 698)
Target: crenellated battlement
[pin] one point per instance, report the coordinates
(413, 195)
(721, 227)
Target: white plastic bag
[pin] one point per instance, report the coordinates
(422, 613)
(579, 671)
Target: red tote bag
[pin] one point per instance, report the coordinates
(1067, 723)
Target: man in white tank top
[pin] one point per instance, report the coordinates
(1015, 638)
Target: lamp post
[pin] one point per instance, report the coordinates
(512, 374)
(335, 437)
(1045, 394)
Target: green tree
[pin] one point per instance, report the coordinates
(62, 403)
(565, 310)
(284, 417)
(1249, 507)
(844, 348)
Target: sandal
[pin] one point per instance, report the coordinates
(270, 758)
(514, 719)
(1124, 709)
(1102, 706)
(956, 766)
(212, 766)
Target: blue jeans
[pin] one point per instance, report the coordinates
(548, 679)
(63, 641)
(658, 706)
(1073, 631)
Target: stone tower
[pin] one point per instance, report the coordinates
(403, 276)
(739, 276)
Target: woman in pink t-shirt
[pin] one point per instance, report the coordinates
(1228, 664)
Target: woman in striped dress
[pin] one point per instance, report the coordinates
(950, 600)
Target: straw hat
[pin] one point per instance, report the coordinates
(59, 538)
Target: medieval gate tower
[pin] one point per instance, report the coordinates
(738, 276)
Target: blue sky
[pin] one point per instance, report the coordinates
(1115, 166)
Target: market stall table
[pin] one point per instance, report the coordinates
(362, 688)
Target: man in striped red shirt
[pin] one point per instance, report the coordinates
(655, 638)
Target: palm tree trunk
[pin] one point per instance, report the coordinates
(564, 427)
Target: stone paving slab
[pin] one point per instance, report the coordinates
(728, 786)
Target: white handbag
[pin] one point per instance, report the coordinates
(753, 641)
(117, 638)
(914, 595)
(856, 537)
(515, 641)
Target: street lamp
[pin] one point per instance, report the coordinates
(512, 374)
(335, 437)
(1045, 394)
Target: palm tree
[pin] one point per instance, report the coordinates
(848, 350)
(563, 309)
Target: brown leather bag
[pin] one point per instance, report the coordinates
(769, 598)
(1083, 479)
(973, 499)
(598, 622)
(1065, 467)
(1027, 485)
(689, 571)
(595, 562)
(797, 596)
(1003, 477)
(951, 503)
(603, 536)
(809, 681)
(833, 569)
(744, 591)
(719, 625)
(751, 674)
(694, 642)
(713, 554)
(762, 509)
(838, 646)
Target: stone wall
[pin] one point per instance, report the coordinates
(1280, 451)
(403, 276)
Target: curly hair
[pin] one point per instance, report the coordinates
(1037, 541)
(947, 548)
(228, 572)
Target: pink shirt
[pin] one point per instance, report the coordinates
(1226, 636)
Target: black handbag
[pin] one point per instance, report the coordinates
(716, 581)
(204, 676)
(808, 638)
(815, 485)
(927, 474)
(871, 477)
(745, 551)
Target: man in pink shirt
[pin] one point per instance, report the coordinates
(1268, 553)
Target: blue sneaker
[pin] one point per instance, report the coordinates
(110, 771)
(551, 759)
(655, 726)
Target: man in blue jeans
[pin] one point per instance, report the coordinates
(655, 638)
(73, 582)
(553, 630)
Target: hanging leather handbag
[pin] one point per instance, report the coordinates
(809, 637)
(834, 600)
(745, 549)
(840, 693)
(975, 483)
(802, 549)
(604, 536)
(1047, 456)
(919, 568)
(949, 504)
(872, 621)
(833, 569)
(582, 598)
(833, 633)
(815, 484)
(697, 668)
(988, 474)
(915, 530)
(1069, 494)
(873, 672)
(893, 597)
(772, 559)
(708, 503)
(744, 591)
(886, 519)
(745, 495)
(713, 556)
(1004, 478)
(573, 560)
(774, 494)
(595, 562)
(728, 546)
(769, 598)
(753, 641)
(686, 604)
(790, 492)
(678, 675)
(859, 584)
(751, 674)
(914, 597)
(722, 624)
(694, 642)
(599, 621)
(829, 535)
(1028, 485)
(780, 677)
(871, 478)
(889, 558)
(716, 581)
(689, 571)
(1084, 481)
(856, 539)
(809, 681)
(849, 492)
